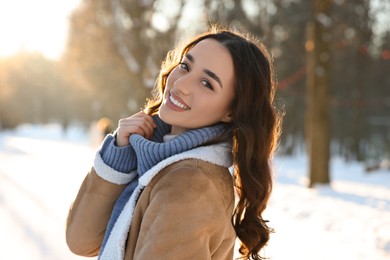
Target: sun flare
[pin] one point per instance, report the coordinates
(36, 26)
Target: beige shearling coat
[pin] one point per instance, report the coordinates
(183, 213)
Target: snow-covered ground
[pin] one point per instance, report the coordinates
(41, 169)
(348, 220)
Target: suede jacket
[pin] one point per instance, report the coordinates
(183, 211)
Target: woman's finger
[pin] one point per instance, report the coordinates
(139, 123)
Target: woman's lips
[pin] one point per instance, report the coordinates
(177, 102)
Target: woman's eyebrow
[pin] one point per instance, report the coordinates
(214, 76)
(206, 71)
(189, 57)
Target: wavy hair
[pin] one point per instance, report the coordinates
(255, 122)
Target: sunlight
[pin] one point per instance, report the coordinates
(36, 26)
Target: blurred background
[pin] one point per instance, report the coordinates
(102, 59)
(68, 64)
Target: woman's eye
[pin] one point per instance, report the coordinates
(207, 84)
(183, 66)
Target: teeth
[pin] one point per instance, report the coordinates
(177, 103)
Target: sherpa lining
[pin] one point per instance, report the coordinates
(111, 175)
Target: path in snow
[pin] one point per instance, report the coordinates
(40, 173)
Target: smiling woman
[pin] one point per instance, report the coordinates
(212, 111)
(38, 26)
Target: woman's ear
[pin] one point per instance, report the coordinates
(227, 118)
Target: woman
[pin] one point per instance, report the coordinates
(160, 187)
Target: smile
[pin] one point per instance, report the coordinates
(178, 103)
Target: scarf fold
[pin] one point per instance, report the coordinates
(151, 152)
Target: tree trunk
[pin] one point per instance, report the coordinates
(318, 96)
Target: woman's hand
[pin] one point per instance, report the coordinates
(140, 123)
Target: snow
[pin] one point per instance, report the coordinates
(42, 167)
(350, 219)
(41, 170)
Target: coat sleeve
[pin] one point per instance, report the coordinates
(185, 212)
(88, 216)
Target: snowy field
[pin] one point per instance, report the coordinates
(41, 169)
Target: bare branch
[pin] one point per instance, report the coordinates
(123, 50)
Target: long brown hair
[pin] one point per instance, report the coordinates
(256, 124)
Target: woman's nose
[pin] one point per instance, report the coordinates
(183, 84)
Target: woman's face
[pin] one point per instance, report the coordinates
(199, 90)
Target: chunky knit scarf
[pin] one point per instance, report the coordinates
(148, 153)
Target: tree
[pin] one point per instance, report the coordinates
(352, 72)
(318, 87)
(287, 42)
(32, 90)
(114, 52)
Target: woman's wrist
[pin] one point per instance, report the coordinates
(120, 158)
